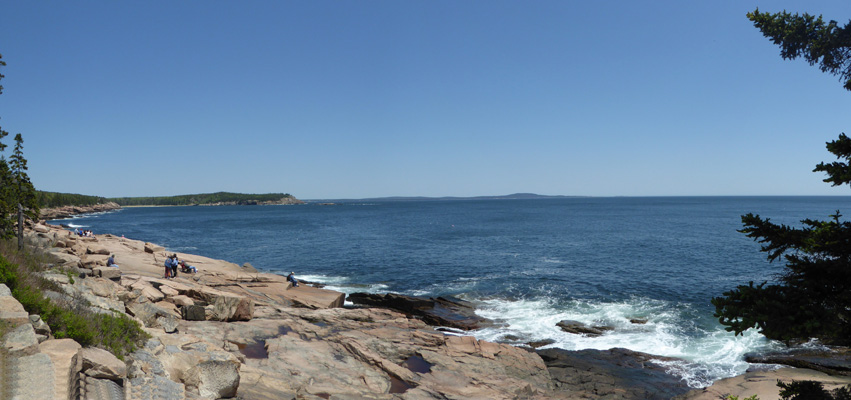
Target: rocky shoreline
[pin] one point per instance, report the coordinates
(229, 331)
(70, 211)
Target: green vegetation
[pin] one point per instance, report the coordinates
(201, 199)
(21, 268)
(15, 186)
(21, 272)
(731, 397)
(809, 37)
(813, 295)
(53, 199)
(811, 390)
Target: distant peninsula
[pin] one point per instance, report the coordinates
(77, 202)
(515, 196)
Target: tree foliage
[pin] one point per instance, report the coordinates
(812, 297)
(812, 390)
(54, 199)
(15, 185)
(823, 43)
(202, 199)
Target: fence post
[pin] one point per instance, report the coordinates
(20, 226)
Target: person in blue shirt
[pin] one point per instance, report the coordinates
(291, 278)
(167, 264)
(110, 262)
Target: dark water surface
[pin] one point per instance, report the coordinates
(527, 263)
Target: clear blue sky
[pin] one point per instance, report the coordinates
(352, 99)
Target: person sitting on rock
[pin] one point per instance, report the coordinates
(184, 267)
(291, 278)
(110, 262)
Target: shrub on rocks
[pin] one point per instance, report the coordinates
(69, 317)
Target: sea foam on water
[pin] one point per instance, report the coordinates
(708, 352)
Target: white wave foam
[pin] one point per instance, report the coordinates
(73, 225)
(344, 284)
(710, 353)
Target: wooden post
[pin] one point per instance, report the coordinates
(20, 226)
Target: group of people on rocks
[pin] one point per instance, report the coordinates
(172, 263)
(82, 233)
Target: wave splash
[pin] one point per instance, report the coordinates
(709, 353)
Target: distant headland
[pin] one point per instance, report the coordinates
(62, 205)
(515, 196)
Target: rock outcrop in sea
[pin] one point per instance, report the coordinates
(228, 331)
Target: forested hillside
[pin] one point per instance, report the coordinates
(207, 199)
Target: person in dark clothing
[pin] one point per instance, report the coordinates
(291, 278)
(174, 263)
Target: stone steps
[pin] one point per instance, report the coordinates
(153, 387)
(25, 378)
(100, 389)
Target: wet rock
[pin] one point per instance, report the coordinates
(832, 361)
(441, 311)
(580, 328)
(540, 343)
(612, 374)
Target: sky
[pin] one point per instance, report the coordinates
(356, 99)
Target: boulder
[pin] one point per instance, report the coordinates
(65, 259)
(169, 324)
(97, 249)
(99, 363)
(41, 228)
(39, 326)
(248, 268)
(616, 373)
(147, 313)
(152, 248)
(149, 292)
(21, 341)
(4, 290)
(441, 311)
(180, 300)
(231, 308)
(831, 361)
(107, 272)
(193, 313)
(213, 379)
(12, 311)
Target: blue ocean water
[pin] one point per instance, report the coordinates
(526, 263)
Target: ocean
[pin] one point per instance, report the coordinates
(527, 264)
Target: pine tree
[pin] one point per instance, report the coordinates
(15, 185)
(813, 295)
